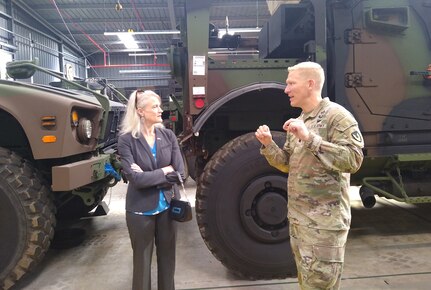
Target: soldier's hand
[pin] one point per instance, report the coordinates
(297, 128)
(263, 134)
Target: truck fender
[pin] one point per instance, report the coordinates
(211, 109)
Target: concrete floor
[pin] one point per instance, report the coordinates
(389, 247)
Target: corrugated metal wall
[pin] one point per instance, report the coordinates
(3, 33)
(3, 23)
(33, 45)
(33, 40)
(126, 71)
(77, 61)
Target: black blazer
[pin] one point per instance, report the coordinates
(142, 191)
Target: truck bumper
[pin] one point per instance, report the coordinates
(71, 176)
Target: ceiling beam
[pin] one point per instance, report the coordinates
(82, 20)
(98, 6)
(128, 5)
(21, 4)
(74, 31)
(119, 42)
(116, 50)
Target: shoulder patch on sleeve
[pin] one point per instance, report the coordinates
(357, 136)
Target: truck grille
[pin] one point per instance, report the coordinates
(115, 117)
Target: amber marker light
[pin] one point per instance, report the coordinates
(75, 118)
(49, 139)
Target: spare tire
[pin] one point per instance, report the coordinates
(241, 210)
(27, 218)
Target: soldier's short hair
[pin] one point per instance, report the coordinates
(311, 70)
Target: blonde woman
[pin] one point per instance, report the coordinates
(150, 155)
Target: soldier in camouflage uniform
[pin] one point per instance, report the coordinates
(323, 146)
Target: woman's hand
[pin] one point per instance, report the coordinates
(135, 167)
(168, 169)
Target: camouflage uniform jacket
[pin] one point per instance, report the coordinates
(319, 169)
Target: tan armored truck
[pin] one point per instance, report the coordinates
(57, 160)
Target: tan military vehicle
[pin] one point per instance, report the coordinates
(57, 160)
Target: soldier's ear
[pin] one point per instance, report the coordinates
(311, 84)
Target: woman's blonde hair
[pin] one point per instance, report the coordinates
(132, 121)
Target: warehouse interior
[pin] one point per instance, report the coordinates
(62, 194)
(83, 35)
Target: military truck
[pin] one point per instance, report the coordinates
(57, 161)
(377, 57)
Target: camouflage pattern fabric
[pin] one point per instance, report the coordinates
(319, 169)
(319, 256)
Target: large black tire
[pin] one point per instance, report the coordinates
(27, 218)
(241, 210)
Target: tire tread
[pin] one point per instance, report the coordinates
(38, 207)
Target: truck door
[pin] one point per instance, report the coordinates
(382, 51)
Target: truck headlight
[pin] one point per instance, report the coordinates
(84, 130)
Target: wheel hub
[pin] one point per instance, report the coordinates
(264, 209)
(271, 208)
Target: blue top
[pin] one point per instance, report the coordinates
(163, 204)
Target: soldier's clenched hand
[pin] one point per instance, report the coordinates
(263, 134)
(297, 128)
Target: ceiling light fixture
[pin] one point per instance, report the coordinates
(128, 40)
(148, 54)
